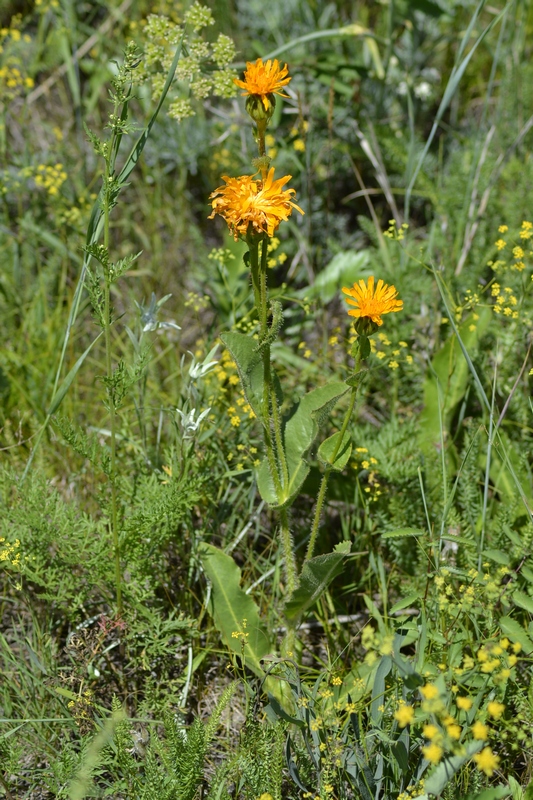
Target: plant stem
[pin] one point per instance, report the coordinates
(110, 394)
(325, 478)
(288, 553)
(280, 450)
(260, 302)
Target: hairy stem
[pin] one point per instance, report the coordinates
(325, 478)
(260, 301)
(288, 553)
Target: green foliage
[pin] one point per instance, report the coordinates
(150, 526)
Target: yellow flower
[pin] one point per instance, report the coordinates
(404, 715)
(464, 703)
(480, 730)
(429, 691)
(430, 731)
(263, 79)
(495, 709)
(433, 753)
(246, 203)
(370, 303)
(486, 761)
(454, 731)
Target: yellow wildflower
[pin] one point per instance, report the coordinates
(433, 753)
(486, 761)
(404, 715)
(495, 709)
(480, 730)
(372, 303)
(256, 205)
(464, 703)
(429, 691)
(262, 80)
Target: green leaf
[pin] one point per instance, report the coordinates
(497, 555)
(66, 383)
(343, 270)
(317, 574)
(523, 600)
(402, 532)
(327, 448)
(300, 433)
(231, 605)
(447, 380)
(311, 413)
(249, 365)
(444, 771)
(378, 690)
(494, 793)
(405, 602)
(355, 378)
(511, 628)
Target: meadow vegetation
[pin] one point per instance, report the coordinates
(265, 381)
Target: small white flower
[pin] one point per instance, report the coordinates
(423, 91)
(189, 424)
(199, 369)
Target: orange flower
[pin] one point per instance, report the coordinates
(262, 204)
(264, 79)
(372, 304)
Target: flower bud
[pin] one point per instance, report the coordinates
(261, 107)
(365, 326)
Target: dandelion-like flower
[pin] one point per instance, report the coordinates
(487, 761)
(248, 205)
(371, 303)
(261, 80)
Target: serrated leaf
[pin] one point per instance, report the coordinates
(523, 600)
(267, 489)
(356, 378)
(312, 411)
(402, 532)
(244, 352)
(231, 605)
(328, 447)
(316, 576)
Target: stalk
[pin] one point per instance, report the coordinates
(276, 419)
(260, 302)
(109, 373)
(325, 478)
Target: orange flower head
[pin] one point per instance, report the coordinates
(254, 206)
(371, 303)
(262, 80)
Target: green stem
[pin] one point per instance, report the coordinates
(109, 371)
(325, 478)
(288, 553)
(259, 291)
(276, 419)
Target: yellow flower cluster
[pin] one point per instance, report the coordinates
(393, 232)
(505, 301)
(390, 353)
(9, 553)
(517, 250)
